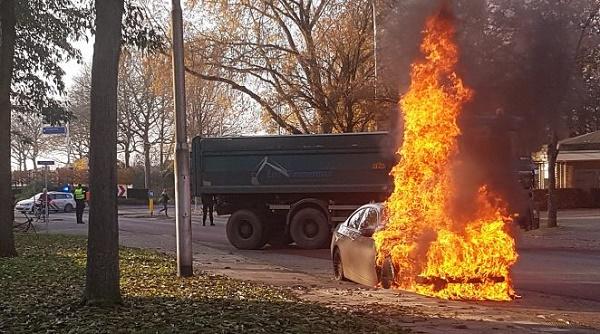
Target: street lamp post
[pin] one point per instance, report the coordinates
(374, 4)
(183, 204)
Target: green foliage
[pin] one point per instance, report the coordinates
(46, 30)
(139, 30)
(40, 292)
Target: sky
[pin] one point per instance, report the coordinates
(72, 68)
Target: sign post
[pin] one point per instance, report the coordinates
(46, 163)
(151, 202)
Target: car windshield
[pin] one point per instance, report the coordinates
(370, 220)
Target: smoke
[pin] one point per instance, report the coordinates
(521, 89)
(518, 59)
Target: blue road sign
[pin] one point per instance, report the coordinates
(54, 130)
(45, 163)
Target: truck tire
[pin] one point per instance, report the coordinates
(309, 228)
(245, 230)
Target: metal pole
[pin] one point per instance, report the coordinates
(46, 198)
(68, 145)
(375, 44)
(182, 156)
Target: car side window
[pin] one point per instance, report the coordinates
(355, 219)
(370, 220)
(60, 196)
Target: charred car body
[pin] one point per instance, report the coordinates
(353, 249)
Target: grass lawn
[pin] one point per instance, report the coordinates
(40, 291)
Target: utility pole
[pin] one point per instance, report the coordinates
(374, 4)
(183, 205)
(46, 201)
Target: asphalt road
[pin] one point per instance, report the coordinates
(549, 268)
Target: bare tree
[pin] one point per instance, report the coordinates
(213, 109)
(102, 279)
(148, 112)
(285, 56)
(79, 125)
(126, 139)
(28, 140)
(20, 145)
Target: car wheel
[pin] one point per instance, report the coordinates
(245, 230)
(338, 267)
(68, 208)
(387, 273)
(309, 228)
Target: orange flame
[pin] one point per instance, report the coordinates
(432, 252)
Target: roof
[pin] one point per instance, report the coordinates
(586, 142)
(580, 155)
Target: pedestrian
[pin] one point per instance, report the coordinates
(79, 194)
(164, 198)
(208, 202)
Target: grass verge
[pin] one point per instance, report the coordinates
(40, 291)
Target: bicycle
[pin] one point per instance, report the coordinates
(39, 212)
(25, 226)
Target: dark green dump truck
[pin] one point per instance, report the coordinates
(284, 189)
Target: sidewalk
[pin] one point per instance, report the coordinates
(577, 229)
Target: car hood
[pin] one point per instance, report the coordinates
(25, 202)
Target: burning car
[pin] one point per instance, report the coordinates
(428, 244)
(353, 249)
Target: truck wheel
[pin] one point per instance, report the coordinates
(245, 230)
(310, 229)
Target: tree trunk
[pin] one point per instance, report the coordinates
(147, 166)
(34, 156)
(127, 156)
(102, 279)
(7, 52)
(552, 205)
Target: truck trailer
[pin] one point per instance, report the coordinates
(284, 189)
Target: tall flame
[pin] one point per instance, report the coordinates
(434, 253)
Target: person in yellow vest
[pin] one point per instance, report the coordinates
(79, 194)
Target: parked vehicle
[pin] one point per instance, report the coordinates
(283, 189)
(353, 249)
(59, 202)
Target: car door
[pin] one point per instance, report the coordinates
(364, 248)
(55, 202)
(62, 201)
(347, 233)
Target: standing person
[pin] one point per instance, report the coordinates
(79, 194)
(42, 204)
(164, 198)
(208, 202)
